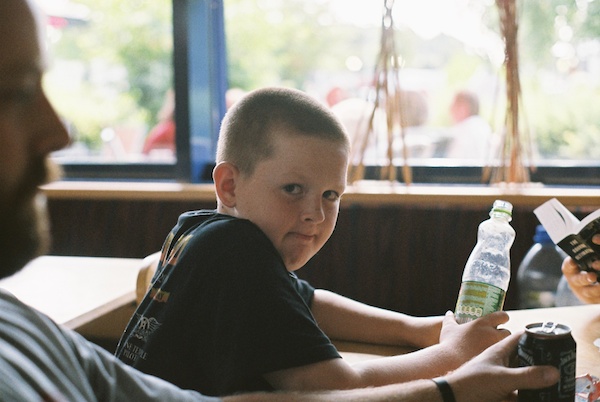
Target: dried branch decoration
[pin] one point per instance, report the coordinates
(388, 98)
(511, 168)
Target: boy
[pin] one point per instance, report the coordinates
(226, 313)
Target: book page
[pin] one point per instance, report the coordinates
(590, 218)
(573, 236)
(558, 221)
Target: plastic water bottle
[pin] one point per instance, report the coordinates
(539, 272)
(565, 296)
(487, 272)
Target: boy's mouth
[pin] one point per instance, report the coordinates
(303, 237)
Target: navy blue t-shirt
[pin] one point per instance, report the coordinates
(222, 310)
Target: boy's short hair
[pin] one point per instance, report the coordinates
(244, 138)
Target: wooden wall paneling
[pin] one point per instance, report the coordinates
(110, 228)
(404, 257)
(407, 258)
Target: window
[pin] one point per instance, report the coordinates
(112, 79)
(327, 48)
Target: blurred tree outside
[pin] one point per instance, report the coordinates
(304, 44)
(290, 43)
(113, 69)
(559, 42)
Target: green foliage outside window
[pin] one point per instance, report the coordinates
(120, 57)
(291, 42)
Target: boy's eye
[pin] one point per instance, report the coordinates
(292, 189)
(331, 195)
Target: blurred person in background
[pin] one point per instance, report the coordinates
(162, 136)
(470, 136)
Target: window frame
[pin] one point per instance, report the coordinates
(200, 71)
(441, 172)
(200, 82)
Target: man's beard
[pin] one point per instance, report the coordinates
(24, 228)
(24, 235)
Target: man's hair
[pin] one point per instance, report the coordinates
(247, 129)
(470, 99)
(414, 108)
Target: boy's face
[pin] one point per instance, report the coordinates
(294, 195)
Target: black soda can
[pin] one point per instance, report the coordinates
(549, 344)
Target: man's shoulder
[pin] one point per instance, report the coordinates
(9, 304)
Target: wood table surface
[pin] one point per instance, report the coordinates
(584, 322)
(75, 291)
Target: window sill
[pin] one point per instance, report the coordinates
(363, 193)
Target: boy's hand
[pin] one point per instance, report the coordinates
(464, 341)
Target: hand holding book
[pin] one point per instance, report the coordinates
(583, 284)
(579, 239)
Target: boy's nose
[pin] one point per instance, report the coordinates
(314, 211)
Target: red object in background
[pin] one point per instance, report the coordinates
(57, 22)
(162, 136)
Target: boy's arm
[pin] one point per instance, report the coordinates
(459, 344)
(345, 319)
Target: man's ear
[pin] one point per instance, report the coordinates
(225, 176)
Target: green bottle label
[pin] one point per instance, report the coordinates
(477, 299)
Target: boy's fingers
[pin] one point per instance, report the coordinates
(449, 317)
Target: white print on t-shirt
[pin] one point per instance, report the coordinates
(145, 327)
(133, 352)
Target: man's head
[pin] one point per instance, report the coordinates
(29, 131)
(413, 105)
(281, 163)
(465, 104)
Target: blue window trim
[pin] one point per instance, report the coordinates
(200, 82)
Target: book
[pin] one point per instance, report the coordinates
(571, 234)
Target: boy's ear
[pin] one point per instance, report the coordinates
(225, 175)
